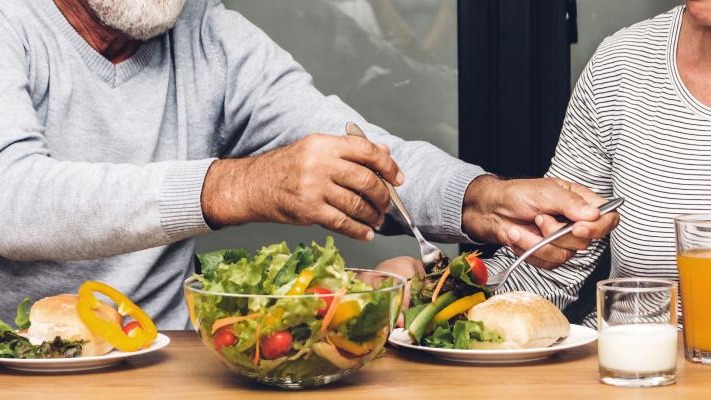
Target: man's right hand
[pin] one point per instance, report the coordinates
(320, 179)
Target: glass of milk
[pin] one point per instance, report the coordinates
(637, 331)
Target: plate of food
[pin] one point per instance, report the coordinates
(579, 336)
(81, 363)
(77, 332)
(453, 316)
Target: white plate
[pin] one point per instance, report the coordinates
(80, 363)
(579, 336)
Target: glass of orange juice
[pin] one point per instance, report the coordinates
(693, 255)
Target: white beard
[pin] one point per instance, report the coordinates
(138, 19)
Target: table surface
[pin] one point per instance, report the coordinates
(186, 369)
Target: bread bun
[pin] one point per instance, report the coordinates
(57, 316)
(523, 319)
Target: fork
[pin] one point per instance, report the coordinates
(496, 281)
(432, 256)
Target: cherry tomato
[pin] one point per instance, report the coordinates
(130, 327)
(327, 299)
(276, 345)
(224, 337)
(478, 271)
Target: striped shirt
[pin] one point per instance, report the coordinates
(632, 130)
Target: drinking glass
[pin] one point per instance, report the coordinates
(693, 255)
(637, 331)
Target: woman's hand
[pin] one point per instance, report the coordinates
(407, 267)
(518, 213)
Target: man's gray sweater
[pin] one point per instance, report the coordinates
(102, 165)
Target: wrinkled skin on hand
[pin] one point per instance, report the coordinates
(321, 179)
(518, 213)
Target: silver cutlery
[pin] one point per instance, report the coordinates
(431, 255)
(496, 281)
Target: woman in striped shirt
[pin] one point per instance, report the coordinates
(638, 126)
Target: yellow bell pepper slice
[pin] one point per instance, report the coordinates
(335, 302)
(109, 331)
(273, 319)
(459, 306)
(302, 282)
(345, 312)
(355, 348)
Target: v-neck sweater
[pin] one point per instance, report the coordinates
(102, 165)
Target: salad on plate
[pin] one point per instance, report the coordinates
(76, 325)
(440, 300)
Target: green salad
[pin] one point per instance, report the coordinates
(15, 345)
(283, 314)
(436, 316)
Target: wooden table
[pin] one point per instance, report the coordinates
(187, 370)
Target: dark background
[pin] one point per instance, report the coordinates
(514, 86)
(514, 82)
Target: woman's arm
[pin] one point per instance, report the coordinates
(582, 156)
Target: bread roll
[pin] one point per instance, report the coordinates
(524, 320)
(57, 316)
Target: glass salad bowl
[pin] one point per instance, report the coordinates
(318, 330)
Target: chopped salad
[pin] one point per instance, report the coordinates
(290, 314)
(440, 301)
(14, 345)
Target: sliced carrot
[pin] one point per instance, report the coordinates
(258, 334)
(231, 320)
(332, 309)
(440, 283)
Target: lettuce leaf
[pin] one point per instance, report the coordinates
(373, 318)
(459, 280)
(22, 319)
(13, 345)
(297, 311)
(4, 327)
(210, 261)
(460, 335)
(441, 337)
(313, 366)
(273, 271)
(301, 258)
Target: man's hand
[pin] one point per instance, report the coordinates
(519, 213)
(320, 179)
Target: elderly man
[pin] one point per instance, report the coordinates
(128, 127)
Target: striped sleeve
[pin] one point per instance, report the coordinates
(581, 156)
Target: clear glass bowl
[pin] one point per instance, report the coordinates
(356, 334)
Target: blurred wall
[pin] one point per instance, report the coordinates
(598, 19)
(394, 61)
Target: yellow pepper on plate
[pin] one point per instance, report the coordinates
(142, 337)
(458, 306)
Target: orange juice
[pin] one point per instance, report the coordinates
(695, 281)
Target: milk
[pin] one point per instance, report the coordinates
(640, 348)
